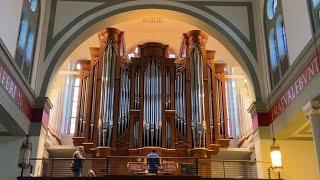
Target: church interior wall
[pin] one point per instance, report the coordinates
(298, 157)
(9, 23)
(10, 147)
(298, 27)
(299, 36)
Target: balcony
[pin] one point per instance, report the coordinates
(136, 167)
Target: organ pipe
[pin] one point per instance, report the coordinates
(152, 104)
(197, 95)
(124, 105)
(106, 111)
(153, 100)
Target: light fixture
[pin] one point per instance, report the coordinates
(25, 155)
(78, 67)
(275, 153)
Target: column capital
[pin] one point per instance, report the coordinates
(312, 107)
(43, 103)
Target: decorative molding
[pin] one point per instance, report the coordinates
(312, 107)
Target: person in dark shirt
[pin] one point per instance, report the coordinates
(77, 163)
(153, 161)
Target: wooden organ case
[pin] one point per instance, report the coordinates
(128, 106)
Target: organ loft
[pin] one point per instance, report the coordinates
(129, 105)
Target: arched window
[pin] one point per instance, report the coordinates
(315, 3)
(271, 8)
(74, 105)
(276, 40)
(27, 37)
(314, 6)
(29, 48)
(33, 5)
(281, 37)
(23, 31)
(273, 49)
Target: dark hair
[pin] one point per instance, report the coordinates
(153, 150)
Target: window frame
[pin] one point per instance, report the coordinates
(33, 18)
(73, 102)
(278, 71)
(314, 12)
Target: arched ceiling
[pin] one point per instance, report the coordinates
(157, 29)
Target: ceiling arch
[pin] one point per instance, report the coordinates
(94, 22)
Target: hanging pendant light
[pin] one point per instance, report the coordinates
(275, 154)
(25, 154)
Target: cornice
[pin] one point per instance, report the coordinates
(312, 107)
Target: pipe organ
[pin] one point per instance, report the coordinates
(128, 105)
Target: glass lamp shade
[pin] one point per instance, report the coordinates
(275, 154)
(25, 154)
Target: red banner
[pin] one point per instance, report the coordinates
(300, 82)
(14, 91)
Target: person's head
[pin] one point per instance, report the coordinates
(80, 149)
(153, 151)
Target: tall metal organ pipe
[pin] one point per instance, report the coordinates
(168, 103)
(211, 103)
(124, 105)
(107, 94)
(152, 105)
(180, 120)
(220, 108)
(95, 71)
(137, 90)
(197, 98)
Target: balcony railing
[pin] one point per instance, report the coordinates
(139, 166)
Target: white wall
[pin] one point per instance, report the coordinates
(9, 23)
(9, 154)
(297, 24)
(298, 157)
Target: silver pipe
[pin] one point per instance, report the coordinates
(128, 101)
(112, 88)
(124, 110)
(176, 99)
(159, 109)
(106, 82)
(180, 102)
(145, 107)
(93, 101)
(101, 109)
(120, 104)
(193, 120)
(109, 135)
(153, 111)
(99, 135)
(156, 120)
(91, 131)
(104, 137)
(183, 103)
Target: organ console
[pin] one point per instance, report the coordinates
(130, 105)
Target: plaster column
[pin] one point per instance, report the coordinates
(39, 131)
(312, 111)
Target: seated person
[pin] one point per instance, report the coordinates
(153, 161)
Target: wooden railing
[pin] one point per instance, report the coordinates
(138, 166)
